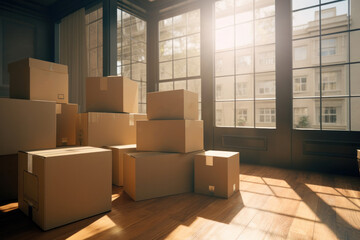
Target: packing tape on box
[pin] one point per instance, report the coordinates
(131, 120)
(211, 188)
(58, 108)
(209, 160)
(103, 84)
(30, 163)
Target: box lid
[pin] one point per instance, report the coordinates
(56, 152)
(122, 146)
(214, 153)
(40, 64)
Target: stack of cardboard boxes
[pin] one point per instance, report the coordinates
(166, 145)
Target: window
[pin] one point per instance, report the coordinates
(300, 53)
(131, 51)
(179, 53)
(94, 43)
(328, 47)
(244, 61)
(329, 81)
(329, 114)
(267, 115)
(300, 84)
(301, 117)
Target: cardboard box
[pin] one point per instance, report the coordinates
(358, 153)
(155, 174)
(8, 177)
(217, 173)
(66, 116)
(107, 129)
(39, 80)
(63, 185)
(26, 125)
(177, 104)
(111, 94)
(118, 154)
(181, 136)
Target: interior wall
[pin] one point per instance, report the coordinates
(23, 35)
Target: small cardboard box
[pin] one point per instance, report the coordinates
(66, 116)
(177, 104)
(111, 94)
(118, 154)
(107, 129)
(39, 80)
(63, 185)
(217, 173)
(358, 153)
(180, 136)
(155, 174)
(8, 177)
(26, 125)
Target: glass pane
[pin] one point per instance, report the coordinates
(179, 25)
(165, 70)
(139, 92)
(265, 31)
(166, 86)
(100, 32)
(244, 86)
(355, 114)
(180, 68)
(193, 45)
(179, 46)
(93, 16)
(306, 114)
(306, 23)
(143, 93)
(224, 63)
(165, 29)
(224, 88)
(335, 112)
(199, 111)
(165, 50)
(126, 50)
(93, 61)
(137, 70)
(354, 14)
(265, 58)
(93, 35)
(126, 32)
(265, 85)
(334, 17)
(306, 53)
(193, 22)
(355, 79)
(195, 86)
(100, 61)
(224, 114)
(296, 4)
(142, 108)
(126, 18)
(306, 82)
(335, 80)
(334, 49)
(224, 11)
(264, 8)
(138, 52)
(224, 39)
(244, 61)
(244, 35)
(180, 85)
(265, 114)
(193, 66)
(244, 10)
(354, 46)
(244, 114)
(138, 31)
(126, 71)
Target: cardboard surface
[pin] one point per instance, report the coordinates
(64, 185)
(155, 174)
(177, 104)
(358, 153)
(26, 125)
(107, 129)
(181, 136)
(66, 116)
(39, 80)
(111, 94)
(118, 153)
(217, 173)
(8, 177)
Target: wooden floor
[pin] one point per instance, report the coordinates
(272, 204)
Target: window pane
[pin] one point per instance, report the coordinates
(265, 114)
(244, 61)
(224, 39)
(334, 14)
(265, 58)
(335, 80)
(93, 35)
(126, 50)
(264, 8)
(166, 86)
(354, 14)
(224, 114)
(165, 50)
(355, 114)
(180, 85)
(179, 25)
(193, 66)
(179, 45)
(224, 89)
(335, 113)
(180, 68)
(193, 22)
(244, 11)
(306, 82)
(305, 113)
(265, 31)
(244, 35)
(244, 86)
(223, 13)
(354, 46)
(138, 52)
(165, 70)
(165, 29)
(355, 79)
(193, 45)
(224, 63)
(126, 71)
(265, 85)
(296, 4)
(306, 23)
(244, 114)
(306, 53)
(195, 86)
(334, 49)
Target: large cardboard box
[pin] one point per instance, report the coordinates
(177, 104)
(8, 177)
(66, 117)
(217, 173)
(181, 136)
(111, 94)
(60, 186)
(156, 174)
(118, 154)
(107, 129)
(26, 125)
(39, 80)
